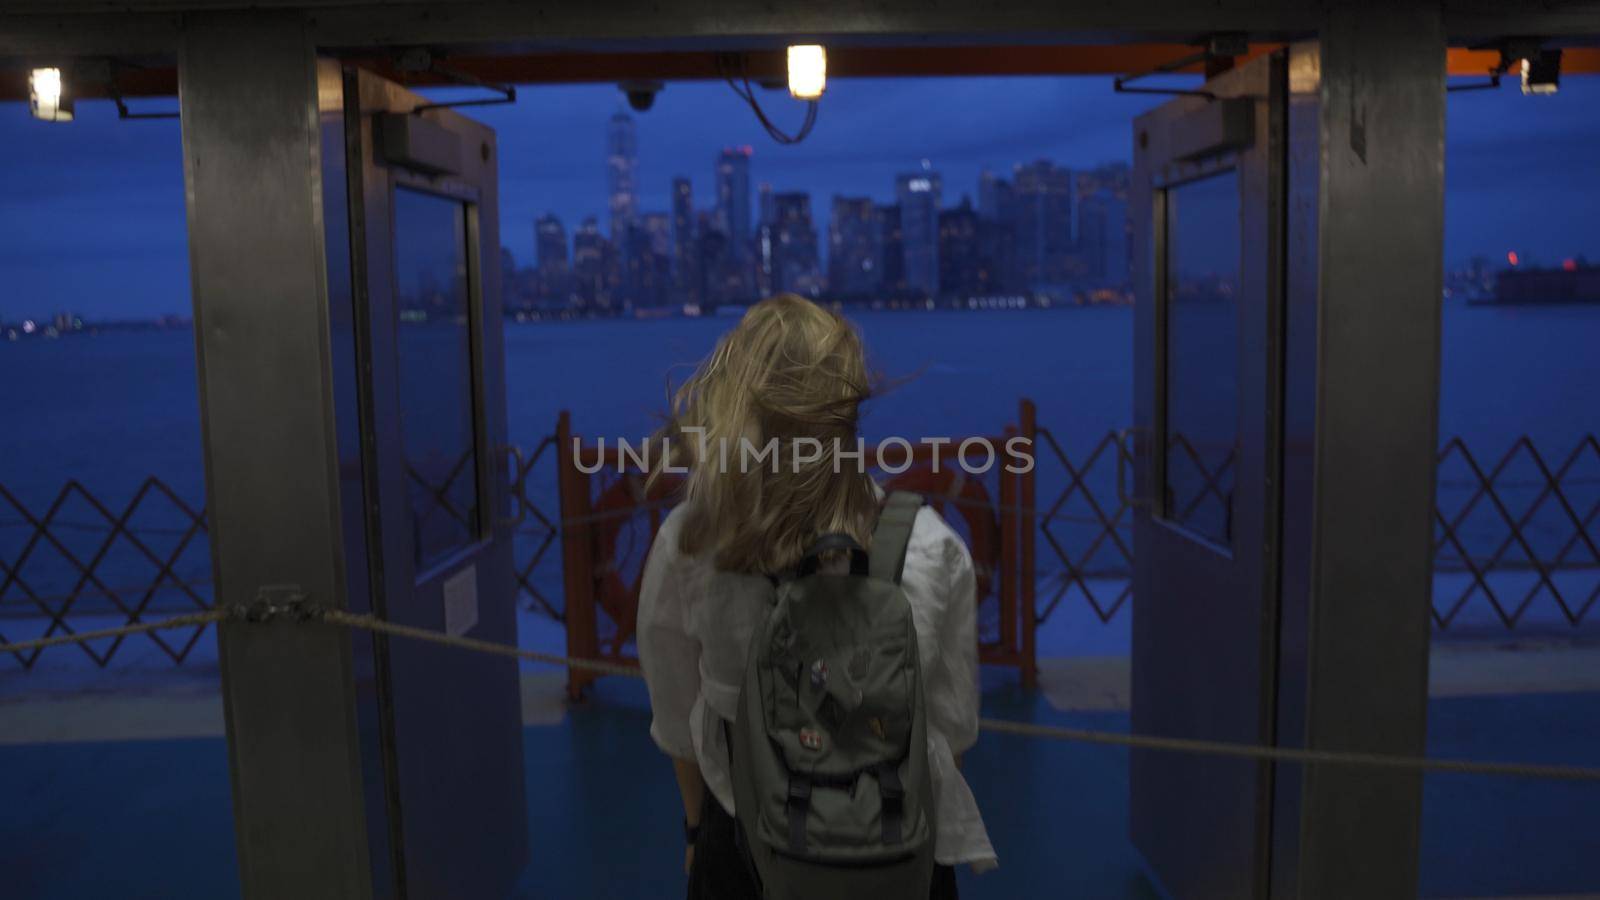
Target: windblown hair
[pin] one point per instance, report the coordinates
(790, 369)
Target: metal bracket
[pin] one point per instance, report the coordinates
(518, 477)
(1511, 50)
(104, 73)
(273, 601)
(122, 108)
(1125, 455)
(1217, 46)
(420, 59)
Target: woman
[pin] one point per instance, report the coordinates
(790, 371)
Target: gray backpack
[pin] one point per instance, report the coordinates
(830, 753)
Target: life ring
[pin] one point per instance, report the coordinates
(611, 511)
(972, 501)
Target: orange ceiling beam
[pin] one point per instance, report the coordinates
(843, 62)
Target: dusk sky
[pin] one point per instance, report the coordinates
(92, 216)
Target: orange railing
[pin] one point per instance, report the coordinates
(610, 515)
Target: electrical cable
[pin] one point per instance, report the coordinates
(747, 94)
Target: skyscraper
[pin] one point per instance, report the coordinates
(591, 262)
(996, 199)
(919, 196)
(550, 252)
(684, 277)
(961, 269)
(1044, 223)
(722, 278)
(733, 198)
(622, 163)
(1110, 178)
(891, 248)
(766, 259)
(647, 260)
(1103, 235)
(852, 247)
(793, 245)
(658, 225)
(765, 205)
(549, 242)
(997, 231)
(997, 244)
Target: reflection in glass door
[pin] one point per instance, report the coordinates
(1202, 354)
(434, 342)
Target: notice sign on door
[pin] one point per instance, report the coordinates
(461, 601)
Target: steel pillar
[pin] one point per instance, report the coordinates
(252, 166)
(1362, 331)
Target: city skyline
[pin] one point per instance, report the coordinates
(1045, 230)
(94, 219)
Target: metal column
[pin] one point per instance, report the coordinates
(1364, 254)
(248, 94)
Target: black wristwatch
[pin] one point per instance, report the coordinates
(690, 832)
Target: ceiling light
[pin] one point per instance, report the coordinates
(47, 96)
(808, 71)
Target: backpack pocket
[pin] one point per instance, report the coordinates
(863, 819)
(838, 711)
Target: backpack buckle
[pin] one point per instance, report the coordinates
(892, 793)
(889, 783)
(798, 805)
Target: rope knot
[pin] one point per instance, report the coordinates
(273, 601)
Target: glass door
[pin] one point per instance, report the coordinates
(424, 221)
(1208, 202)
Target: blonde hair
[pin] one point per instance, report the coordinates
(789, 370)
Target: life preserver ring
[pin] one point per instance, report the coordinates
(611, 511)
(972, 501)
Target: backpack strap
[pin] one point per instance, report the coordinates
(893, 534)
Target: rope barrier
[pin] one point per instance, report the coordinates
(382, 626)
(298, 610)
(187, 620)
(1292, 754)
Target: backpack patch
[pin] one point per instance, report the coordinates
(811, 739)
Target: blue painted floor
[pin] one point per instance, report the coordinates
(151, 819)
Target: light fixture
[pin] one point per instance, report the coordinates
(1541, 72)
(48, 99)
(808, 71)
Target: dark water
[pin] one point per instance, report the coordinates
(111, 410)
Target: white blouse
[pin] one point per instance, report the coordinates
(695, 625)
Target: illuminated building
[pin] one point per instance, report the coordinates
(852, 247)
(919, 195)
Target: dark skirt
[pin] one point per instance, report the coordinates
(722, 871)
